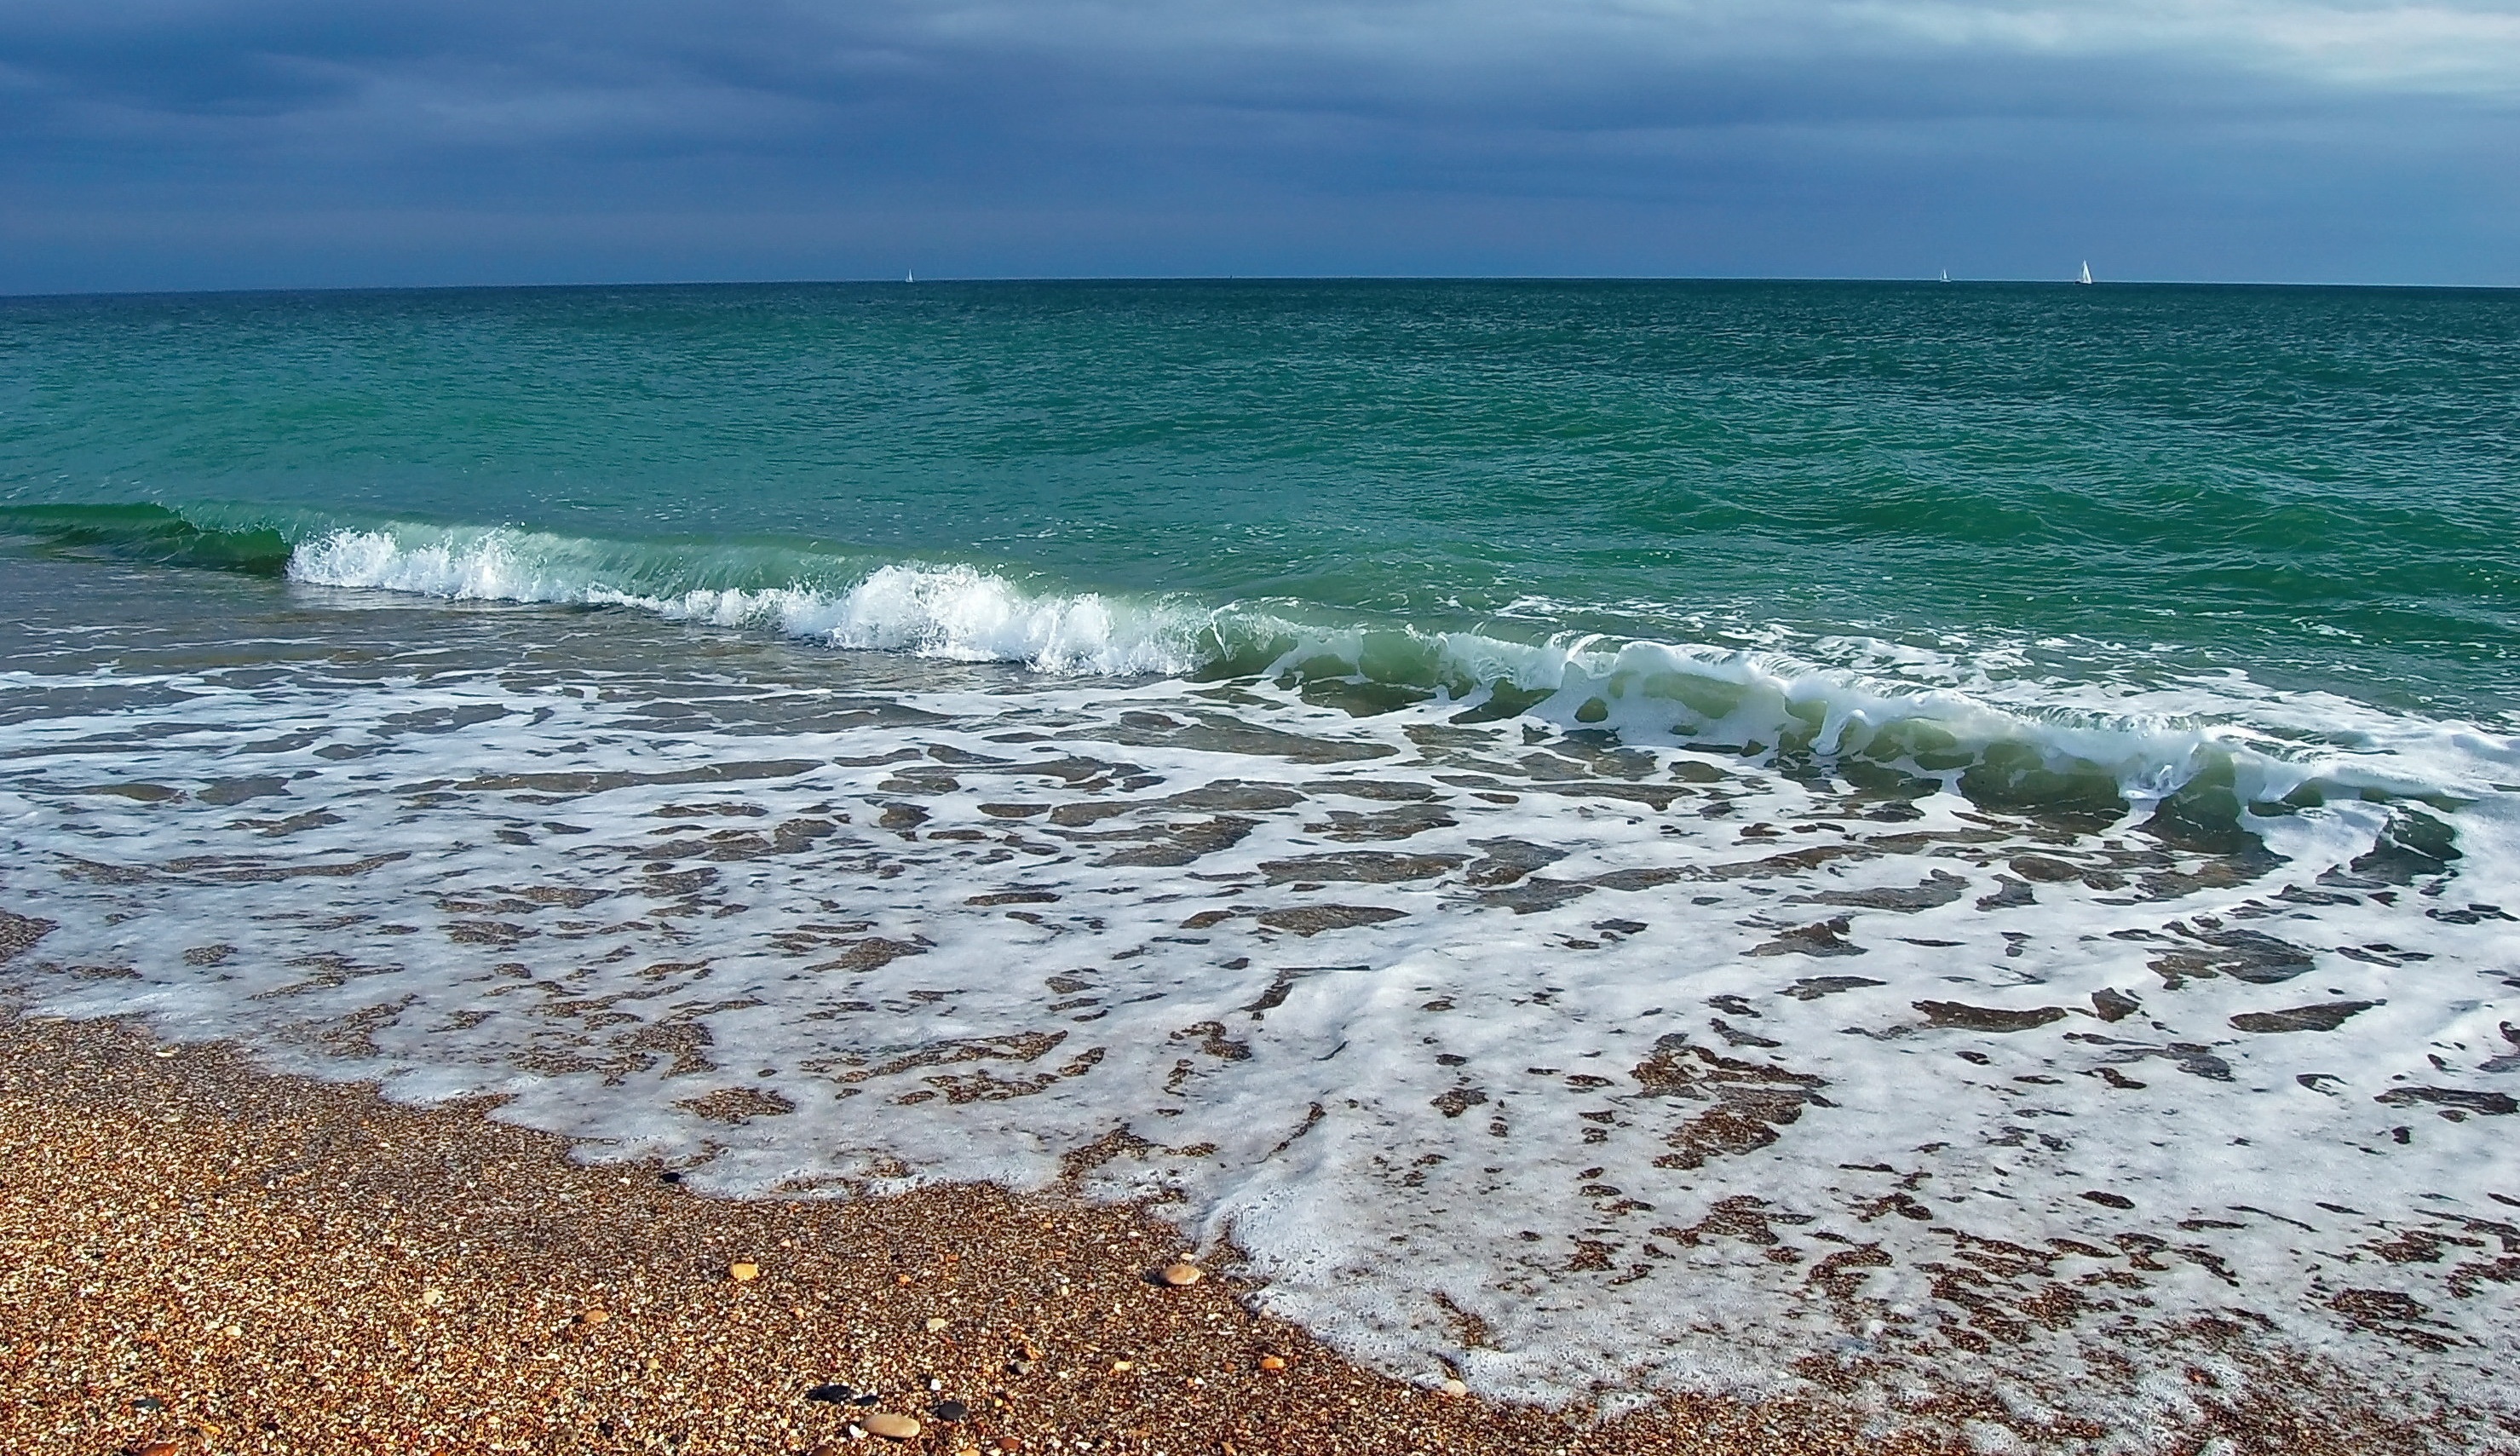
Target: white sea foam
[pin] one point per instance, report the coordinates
(954, 612)
(1670, 1067)
(1824, 696)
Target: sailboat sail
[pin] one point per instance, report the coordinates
(2087, 270)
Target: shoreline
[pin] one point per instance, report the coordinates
(196, 1254)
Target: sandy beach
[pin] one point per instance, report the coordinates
(197, 1255)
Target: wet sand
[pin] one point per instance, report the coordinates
(197, 1255)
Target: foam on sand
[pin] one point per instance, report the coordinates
(1569, 1062)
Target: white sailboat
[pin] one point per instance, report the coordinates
(2086, 271)
(911, 277)
(1946, 275)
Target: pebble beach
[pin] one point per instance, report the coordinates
(200, 1257)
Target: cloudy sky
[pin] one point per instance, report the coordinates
(247, 143)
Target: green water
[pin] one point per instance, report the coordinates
(2316, 488)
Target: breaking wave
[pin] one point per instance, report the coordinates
(2211, 756)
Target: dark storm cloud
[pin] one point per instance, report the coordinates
(459, 140)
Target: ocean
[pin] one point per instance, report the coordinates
(1597, 837)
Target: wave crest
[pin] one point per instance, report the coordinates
(2095, 751)
(958, 612)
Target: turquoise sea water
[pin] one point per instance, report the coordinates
(2315, 487)
(1967, 832)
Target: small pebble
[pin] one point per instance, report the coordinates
(744, 1273)
(1453, 1387)
(890, 1426)
(432, 1297)
(1180, 1276)
(1273, 1363)
(594, 1317)
(951, 1410)
(157, 1448)
(934, 1323)
(831, 1395)
(1123, 1367)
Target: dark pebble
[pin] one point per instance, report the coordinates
(831, 1395)
(870, 1398)
(951, 1410)
(148, 1403)
(670, 1176)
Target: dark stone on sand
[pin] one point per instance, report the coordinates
(1364, 866)
(1503, 861)
(2011, 896)
(2367, 1307)
(1630, 881)
(1375, 789)
(1987, 1018)
(1459, 1101)
(1185, 843)
(1656, 796)
(1940, 888)
(2113, 1005)
(2243, 955)
(1402, 823)
(1750, 1100)
(238, 790)
(2045, 870)
(2491, 1103)
(1813, 987)
(2327, 1015)
(1827, 938)
(951, 1410)
(831, 1395)
(2110, 1199)
(1236, 795)
(871, 954)
(1311, 920)
(1539, 892)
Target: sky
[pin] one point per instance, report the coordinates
(193, 144)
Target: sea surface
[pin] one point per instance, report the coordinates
(1953, 842)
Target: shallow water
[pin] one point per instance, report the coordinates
(1574, 998)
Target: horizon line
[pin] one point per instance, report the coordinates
(887, 281)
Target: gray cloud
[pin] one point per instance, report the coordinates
(193, 142)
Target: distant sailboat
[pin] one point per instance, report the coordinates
(2086, 271)
(1946, 275)
(910, 277)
